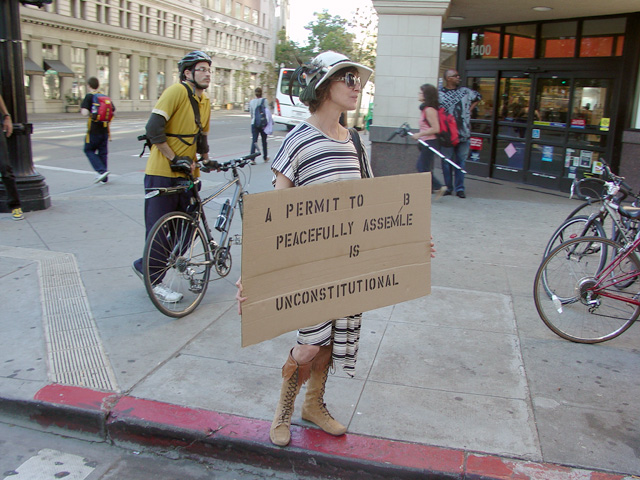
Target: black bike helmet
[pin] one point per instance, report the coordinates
(191, 59)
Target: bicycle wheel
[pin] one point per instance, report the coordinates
(176, 264)
(571, 301)
(574, 227)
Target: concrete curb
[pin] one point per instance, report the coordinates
(188, 431)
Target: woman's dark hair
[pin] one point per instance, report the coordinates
(430, 96)
(322, 92)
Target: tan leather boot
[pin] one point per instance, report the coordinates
(293, 375)
(314, 409)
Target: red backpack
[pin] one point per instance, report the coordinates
(101, 108)
(448, 135)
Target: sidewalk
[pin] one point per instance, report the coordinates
(464, 383)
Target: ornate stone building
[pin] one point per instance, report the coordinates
(133, 48)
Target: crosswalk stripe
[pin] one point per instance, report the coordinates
(52, 465)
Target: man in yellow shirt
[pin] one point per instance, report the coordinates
(176, 136)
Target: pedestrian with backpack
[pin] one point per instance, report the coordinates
(459, 102)
(429, 128)
(100, 111)
(260, 120)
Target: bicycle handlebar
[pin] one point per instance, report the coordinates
(403, 131)
(238, 162)
(226, 166)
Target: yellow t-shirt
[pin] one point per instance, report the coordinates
(174, 105)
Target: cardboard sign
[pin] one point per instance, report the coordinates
(320, 252)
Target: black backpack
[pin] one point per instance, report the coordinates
(260, 116)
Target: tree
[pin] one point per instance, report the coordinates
(243, 82)
(329, 32)
(365, 25)
(268, 80)
(287, 52)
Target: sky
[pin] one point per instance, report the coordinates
(301, 14)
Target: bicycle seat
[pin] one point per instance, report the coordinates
(629, 211)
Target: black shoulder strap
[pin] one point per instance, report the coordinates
(194, 104)
(355, 137)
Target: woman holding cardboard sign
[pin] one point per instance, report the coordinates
(320, 150)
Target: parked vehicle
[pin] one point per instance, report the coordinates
(286, 112)
(290, 114)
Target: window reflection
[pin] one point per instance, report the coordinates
(519, 41)
(589, 102)
(552, 102)
(485, 43)
(559, 39)
(486, 87)
(514, 99)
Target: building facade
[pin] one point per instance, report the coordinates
(133, 48)
(560, 84)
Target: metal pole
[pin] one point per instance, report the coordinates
(32, 189)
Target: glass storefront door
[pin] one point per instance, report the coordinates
(570, 130)
(514, 100)
(481, 140)
(545, 129)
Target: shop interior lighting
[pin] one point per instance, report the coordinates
(542, 9)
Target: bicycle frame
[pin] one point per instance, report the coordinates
(600, 288)
(237, 194)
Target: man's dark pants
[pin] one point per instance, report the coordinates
(96, 149)
(8, 178)
(158, 206)
(255, 131)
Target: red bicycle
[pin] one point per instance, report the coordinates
(587, 289)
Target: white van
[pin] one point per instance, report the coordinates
(287, 113)
(290, 114)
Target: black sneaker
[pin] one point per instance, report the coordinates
(461, 194)
(448, 192)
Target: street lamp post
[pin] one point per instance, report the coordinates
(32, 189)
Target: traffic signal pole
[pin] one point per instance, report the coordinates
(32, 189)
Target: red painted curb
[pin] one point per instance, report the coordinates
(379, 453)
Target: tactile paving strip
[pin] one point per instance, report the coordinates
(75, 352)
(76, 355)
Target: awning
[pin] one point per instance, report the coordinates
(59, 67)
(32, 68)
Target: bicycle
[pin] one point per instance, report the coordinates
(180, 249)
(610, 215)
(585, 299)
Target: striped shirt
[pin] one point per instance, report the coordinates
(307, 156)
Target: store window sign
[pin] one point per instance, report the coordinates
(578, 123)
(604, 124)
(597, 168)
(585, 158)
(568, 157)
(510, 150)
(547, 153)
(535, 133)
(475, 143)
(572, 172)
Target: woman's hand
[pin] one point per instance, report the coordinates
(239, 296)
(433, 249)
